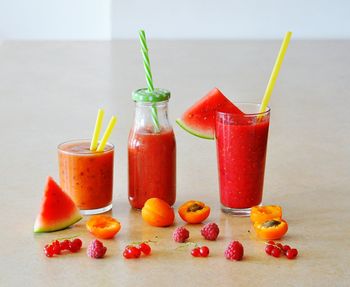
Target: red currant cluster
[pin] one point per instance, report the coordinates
(131, 251)
(202, 251)
(277, 249)
(56, 247)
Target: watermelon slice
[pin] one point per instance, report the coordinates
(199, 119)
(58, 210)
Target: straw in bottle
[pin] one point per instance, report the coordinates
(148, 73)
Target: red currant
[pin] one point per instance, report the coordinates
(196, 252)
(145, 248)
(268, 249)
(285, 248)
(135, 252)
(48, 250)
(64, 244)
(75, 245)
(56, 247)
(276, 252)
(271, 242)
(292, 253)
(280, 246)
(204, 251)
(78, 242)
(127, 253)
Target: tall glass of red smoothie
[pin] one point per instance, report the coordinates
(241, 141)
(151, 150)
(87, 176)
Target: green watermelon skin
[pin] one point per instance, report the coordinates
(58, 211)
(199, 119)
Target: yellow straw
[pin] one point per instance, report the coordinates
(97, 129)
(107, 133)
(275, 72)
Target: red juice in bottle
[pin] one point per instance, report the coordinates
(152, 167)
(151, 150)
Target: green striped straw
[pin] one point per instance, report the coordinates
(148, 73)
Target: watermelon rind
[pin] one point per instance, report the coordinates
(40, 226)
(194, 132)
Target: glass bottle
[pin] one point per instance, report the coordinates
(151, 149)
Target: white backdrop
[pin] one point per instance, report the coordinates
(55, 19)
(106, 19)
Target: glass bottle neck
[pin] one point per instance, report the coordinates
(151, 117)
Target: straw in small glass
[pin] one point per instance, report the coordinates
(97, 130)
(107, 134)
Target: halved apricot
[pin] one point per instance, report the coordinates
(103, 226)
(264, 213)
(194, 211)
(157, 212)
(271, 229)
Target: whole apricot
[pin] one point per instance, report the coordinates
(157, 212)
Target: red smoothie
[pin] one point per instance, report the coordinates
(152, 166)
(241, 142)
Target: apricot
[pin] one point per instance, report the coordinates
(103, 226)
(194, 211)
(157, 212)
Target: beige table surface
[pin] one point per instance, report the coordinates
(50, 92)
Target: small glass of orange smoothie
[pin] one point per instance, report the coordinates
(87, 176)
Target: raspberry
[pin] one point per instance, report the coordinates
(96, 249)
(210, 231)
(181, 234)
(234, 251)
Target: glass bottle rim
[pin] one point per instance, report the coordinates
(144, 95)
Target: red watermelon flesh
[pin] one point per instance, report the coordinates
(58, 210)
(199, 119)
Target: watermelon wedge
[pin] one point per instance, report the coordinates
(199, 119)
(58, 210)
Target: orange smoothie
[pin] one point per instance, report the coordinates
(87, 176)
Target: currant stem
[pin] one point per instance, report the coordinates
(64, 238)
(187, 244)
(146, 241)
